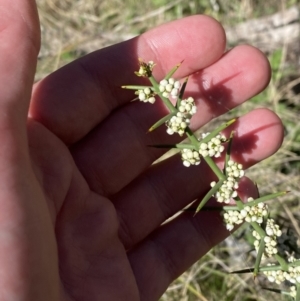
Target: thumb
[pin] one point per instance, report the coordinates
(19, 47)
(28, 258)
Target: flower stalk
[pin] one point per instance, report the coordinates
(269, 241)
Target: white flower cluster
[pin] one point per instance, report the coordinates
(272, 233)
(279, 276)
(234, 170)
(248, 214)
(169, 87)
(190, 157)
(145, 69)
(179, 122)
(255, 213)
(146, 95)
(228, 189)
(292, 275)
(214, 147)
(293, 291)
(231, 218)
(187, 106)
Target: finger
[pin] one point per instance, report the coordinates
(168, 187)
(19, 47)
(120, 143)
(173, 248)
(243, 72)
(73, 100)
(27, 247)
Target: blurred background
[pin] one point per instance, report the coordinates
(73, 28)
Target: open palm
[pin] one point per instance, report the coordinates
(81, 204)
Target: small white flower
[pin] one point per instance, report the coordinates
(213, 148)
(169, 87)
(170, 131)
(293, 291)
(190, 157)
(151, 100)
(255, 213)
(187, 106)
(146, 95)
(231, 218)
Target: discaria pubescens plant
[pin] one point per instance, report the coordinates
(276, 252)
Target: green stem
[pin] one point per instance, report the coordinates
(284, 265)
(295, 263)
(298, 292)
(258, 257)
(258, 229)
(215, 168)
(277, 267)
(256, 201)
(262, 234)
(192, 137)
(240, 205)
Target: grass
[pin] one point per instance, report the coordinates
(71, 29)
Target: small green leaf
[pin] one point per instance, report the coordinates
(136, 87)
(244, 271)
(228, 151)
(210, 193)
(178, 146)
(217, 130)
(180, 96)
(266, 198)
(161, 121)
(173, 70)
(274, 290)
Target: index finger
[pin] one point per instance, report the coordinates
(74, 99)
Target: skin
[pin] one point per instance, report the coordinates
(81, 204)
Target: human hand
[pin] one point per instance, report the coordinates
(81, 203)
